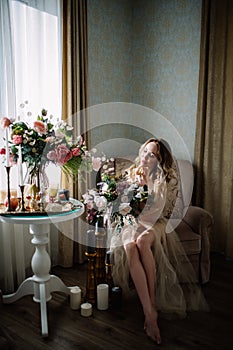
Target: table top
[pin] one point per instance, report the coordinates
(41, 218)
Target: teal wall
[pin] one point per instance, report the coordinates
(146, 52)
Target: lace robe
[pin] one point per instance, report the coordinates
(176, 290)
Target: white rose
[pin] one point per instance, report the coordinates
(124, 208)
(101, 202)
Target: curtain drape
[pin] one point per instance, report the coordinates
(23, 29)
(214, 130)
(74, 102)
(12, 261)
(7, 91)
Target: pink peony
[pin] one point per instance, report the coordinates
(17, 139)
(62, 153)
(40, 127)
(5, 122)
(76, 151)
(68, 157)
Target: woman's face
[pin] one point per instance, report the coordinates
(149, 156)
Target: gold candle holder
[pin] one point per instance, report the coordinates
(108, 268)
(100, 258)
(91, 280)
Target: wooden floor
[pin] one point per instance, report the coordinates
(123, 328)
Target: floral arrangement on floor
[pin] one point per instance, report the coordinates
(43, 141)
(116, 197)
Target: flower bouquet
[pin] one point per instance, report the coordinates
(116, 197)
(42, 142)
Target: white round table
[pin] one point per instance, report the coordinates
(41, 284)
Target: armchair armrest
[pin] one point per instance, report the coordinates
(201, 222)
(198, 218)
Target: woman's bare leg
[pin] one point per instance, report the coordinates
(144, 243)
(140, 281)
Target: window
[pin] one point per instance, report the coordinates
(36, 50)
(35, 47)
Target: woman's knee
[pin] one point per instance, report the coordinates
(144, 242)
(131, 250)
(130, 247)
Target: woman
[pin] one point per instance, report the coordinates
(147, 252)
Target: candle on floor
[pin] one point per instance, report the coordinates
(75, 298)
(116, 297)
(102, 296)
(86, 309)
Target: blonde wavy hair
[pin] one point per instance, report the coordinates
(166, 163)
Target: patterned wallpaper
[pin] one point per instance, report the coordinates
(146, 52)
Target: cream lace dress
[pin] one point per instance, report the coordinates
(176, 289)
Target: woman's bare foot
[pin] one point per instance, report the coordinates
(151, 327)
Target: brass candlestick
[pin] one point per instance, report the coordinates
(8, 168)
(100, 261)
(100, 235)
(108, 268)
(91, 281)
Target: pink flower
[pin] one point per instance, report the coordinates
(40, 127)
(63, 153)
(17, 139)
(76, 151)
(2, 151)
(90, 205)
(12, 160)
(68, 157)
(5, 122)
(96, 163)
(52, 155)
(50, 139)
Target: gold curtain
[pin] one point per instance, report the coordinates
(214, 143)
(74, 100)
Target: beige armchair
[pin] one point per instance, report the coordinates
(195, 228)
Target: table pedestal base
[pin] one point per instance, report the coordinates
(41, 292)
(41, 284)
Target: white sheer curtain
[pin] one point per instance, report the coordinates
(30, 70)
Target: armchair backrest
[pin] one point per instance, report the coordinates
(186, 181)
(185, 172)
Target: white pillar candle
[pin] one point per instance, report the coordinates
(75, 298)
(20, 166)
(86, 309)
(102, 296)
(7, 148)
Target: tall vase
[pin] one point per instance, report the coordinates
(43, 181)
(37, 179)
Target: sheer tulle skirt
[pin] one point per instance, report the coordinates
(176, 289)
